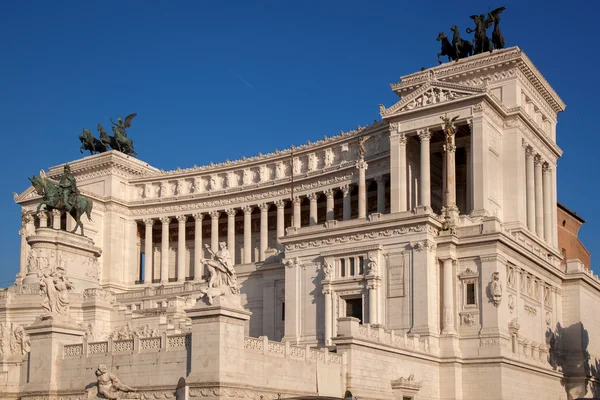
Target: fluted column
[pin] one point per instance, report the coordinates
(280, 204)
(56, 219)
(328, 313)
(380, 193)
(362, 166)
(148, 254)
(547, 181)
(214, 230)
(530, 189)
(181, 219)
(164, 250)
(198, 249)
(329, 209)
(346, 210)
(448, 296)
(539, 198)
(264, 230)
(247, 234)
(373, 302)
(425, 136)
(402, 173)
(231, 233)
(43, 218)
(313, 208)
(297, 203)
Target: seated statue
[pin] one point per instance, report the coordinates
(110, 387)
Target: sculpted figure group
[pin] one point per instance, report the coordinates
(460, 48)
(55, 287)
(119, 141)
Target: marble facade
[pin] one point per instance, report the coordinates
(349, 281)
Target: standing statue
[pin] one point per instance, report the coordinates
(462, 48)
(220, 269)
(361, 146)
(449, 128)
(497, 37)
(55, 287)
(123, 125)
(447, 48)
(495, 289)
(64, 197)
(109, 386)
(481, 41)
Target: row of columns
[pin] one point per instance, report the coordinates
(539, 195)
(247, 211)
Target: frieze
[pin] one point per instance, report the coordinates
(357, 237)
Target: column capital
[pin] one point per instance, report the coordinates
(231, 212)
(424, 134)
(280, 203)
(547, 168)
(198, 216)
(247, 210)
(214, 214)
(394, 127)
(538, 160)
(165, 220)
(402, 139)
(345, 189)
(148, 221)
(470, 125)
(296, 200)
(328, 193)
(381, 179)
(529, 152)
(56, 213)
(361, 164)
(181, 218)
(312, 196)
(264, 207)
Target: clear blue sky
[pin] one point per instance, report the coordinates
(218, 80)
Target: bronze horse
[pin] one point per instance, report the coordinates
(447, 48)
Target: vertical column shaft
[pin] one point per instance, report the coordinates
(547, 182)
(214, 230)
(468, 156)
(373, 303)
(530, 188)
(56, 219)
(280, 204)
(43, 218)
(181, 248)
(198, 249)
(328, 313)
(362, 189)
(164, 250)
(451, 173)
(539, 199)
(231, 233)
(247, 234)
(264, 230)
(329, 209)
(148, 251)
(448, 296)
(313, 208)
(297, 203)
(402, 174)
(347, 204)
(425, 136)
(380, 194)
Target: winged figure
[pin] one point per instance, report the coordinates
(449, 128)
(494, 19)
(480, 39)
(123, 125)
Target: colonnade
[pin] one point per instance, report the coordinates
(539, 195)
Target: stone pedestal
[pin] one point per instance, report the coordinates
(217, 340)
(48, 337)
(51, 249)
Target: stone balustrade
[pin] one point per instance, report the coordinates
(135, 345)
(286, 350)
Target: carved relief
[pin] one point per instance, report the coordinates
(13, 340)
(55, 287)
(312, 162)
(495, 289)
(329, 156)
(511, 303)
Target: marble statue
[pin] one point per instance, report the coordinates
(109, 386)
(222, 277)
(372, 265)
(327, 270)
(64, 197)
(495, 289)
(55, 287)
(361, 146)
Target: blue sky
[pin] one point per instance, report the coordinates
(212, 81)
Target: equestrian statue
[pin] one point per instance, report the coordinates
(119, 141)
(64, 196)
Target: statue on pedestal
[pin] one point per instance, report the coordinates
(109, 386)
(222, 278)
(64, 197)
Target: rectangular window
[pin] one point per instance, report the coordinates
(352, 266)
(343, 268)
(470, 293)
(361, 265)
(354, 308)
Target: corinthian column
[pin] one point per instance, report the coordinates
(547, 181)
(530, 190)
(425, 136)
(164, 250)
(264, 230)
(347, 203)
(362, 189)
(280, 204)
(247, 234)
(198, 250)
(313, 208)
(181, 247)
(231, 232)
(148, 255)
(328, 312)
(297, 203)
(402, 171)
(448, 327)
(214, 230)
(380, 193)
(539, 199)
(329, 209)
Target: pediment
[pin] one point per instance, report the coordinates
(28, 194)
(468, 273)
(428, 95)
